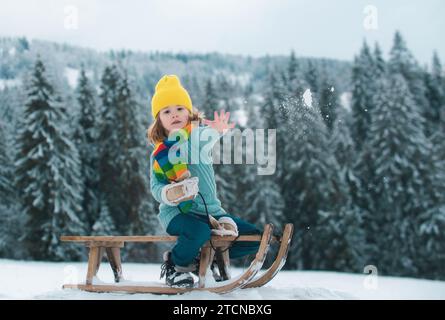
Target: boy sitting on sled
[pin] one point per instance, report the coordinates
(189, 207)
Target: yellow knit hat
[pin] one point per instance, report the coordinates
(169, 91)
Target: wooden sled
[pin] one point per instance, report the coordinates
(111, 245)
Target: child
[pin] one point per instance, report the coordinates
(187, 192)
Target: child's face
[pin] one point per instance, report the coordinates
(174, 117)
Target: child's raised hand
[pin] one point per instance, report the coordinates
(221, 122)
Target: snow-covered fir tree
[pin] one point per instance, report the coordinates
(7, 111)
(195, 89)
(403, 62)
(351, 216)
(404, 177)
(361, 187)
(130, 131)
(328, 101)
(266, 204)
(104, 224)
(215, 95)
(48, 172)
(362, 95)
(86, 138)
(6, 168)
(379, 62)
(225, 176)
(226, 92)
(312, 77)
(274, 112)
(8, 214)
(262, 196)
(438, 141)
(211, 101)
(120, 136)
(432, 222)
(110, 144)
(145, 222)
(435, 93)
(344, 149)
(312, 189)
(294, 81)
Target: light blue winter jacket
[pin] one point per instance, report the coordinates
(202, 140)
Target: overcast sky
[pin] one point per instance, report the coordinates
(319, 28)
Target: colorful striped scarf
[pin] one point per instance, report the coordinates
(167, 172)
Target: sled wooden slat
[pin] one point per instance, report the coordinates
(153, 238)
(104, 244)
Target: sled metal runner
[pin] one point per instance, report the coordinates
(98, 245)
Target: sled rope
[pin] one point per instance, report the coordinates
(210, 225)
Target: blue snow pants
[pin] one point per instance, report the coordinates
(193, 231)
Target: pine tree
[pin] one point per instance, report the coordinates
(312, 188)
(379, 62)
(438, 141)
(225, 92)
(293, 82)
(247, 170)
(274, 110)
(362, 95)
(435, 93)
(86, 137)
(48, 173)
(6, 169)
(351, 215)
(7, 112)
(194, 88)
(369, 70)
(110, 147)
(8, 237)
(131, 182)
(226, 176)
(402, 62)
(293, 68)
(120, 156)
(104, 225)
(224, 173)
(146, 221)
(404, 181)
(328, 101)
(344, 149)
(265, 201)
(432, 222)
(211, 101)
(312, 78)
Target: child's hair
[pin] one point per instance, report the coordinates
(156, 132)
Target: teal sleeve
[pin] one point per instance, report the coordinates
(155, 185)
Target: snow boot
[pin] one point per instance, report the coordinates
(174, 275)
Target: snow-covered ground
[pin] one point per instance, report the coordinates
(43, 280)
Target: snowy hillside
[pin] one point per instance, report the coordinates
(41, 280)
